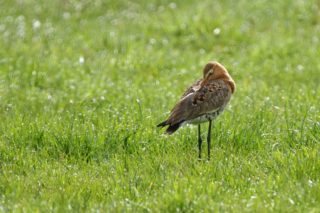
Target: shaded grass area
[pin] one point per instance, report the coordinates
(83, 84)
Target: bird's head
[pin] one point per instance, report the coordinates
(214, 70)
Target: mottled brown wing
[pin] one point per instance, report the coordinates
(192, 89)
(209, 98)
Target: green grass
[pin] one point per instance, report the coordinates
(81, 136)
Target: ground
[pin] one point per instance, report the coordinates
(84, 83)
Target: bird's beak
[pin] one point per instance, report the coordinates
(209, 73)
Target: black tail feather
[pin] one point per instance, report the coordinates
(162, 124)
(172, 128)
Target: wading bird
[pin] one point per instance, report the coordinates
(202, 102)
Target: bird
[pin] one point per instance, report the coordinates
(202, 102)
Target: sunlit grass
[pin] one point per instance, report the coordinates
(83, 84)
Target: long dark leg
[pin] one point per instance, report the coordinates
(199, 141)
(209, 139)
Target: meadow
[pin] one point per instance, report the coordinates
(84, 83)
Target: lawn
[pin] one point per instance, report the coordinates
(84, 83)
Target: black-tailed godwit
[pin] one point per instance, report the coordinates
(202, 102)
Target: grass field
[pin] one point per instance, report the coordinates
(83, 84)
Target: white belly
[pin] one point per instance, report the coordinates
(204, 118)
